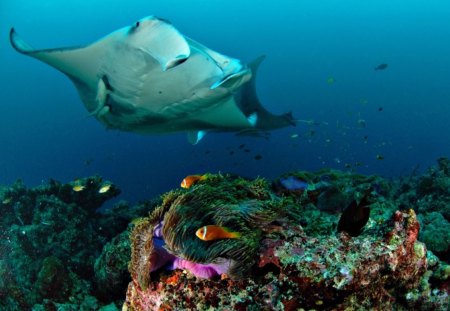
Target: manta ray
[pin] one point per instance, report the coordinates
(149, 78)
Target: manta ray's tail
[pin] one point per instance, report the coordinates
(251, 106)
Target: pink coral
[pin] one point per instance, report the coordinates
(204, 271)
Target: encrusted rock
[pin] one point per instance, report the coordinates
(288, 270)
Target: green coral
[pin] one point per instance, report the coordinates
(436, 232)
(111, 267)
(52, 280)
(50, 237)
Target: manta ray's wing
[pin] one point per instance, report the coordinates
(115, 60)
(161, 40)
(77, 62)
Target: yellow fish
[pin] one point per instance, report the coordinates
(7, 200)
(105, 188)
(78, 188)
(191, 180)
(213, 232)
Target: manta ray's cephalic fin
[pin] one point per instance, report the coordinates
(103, 90)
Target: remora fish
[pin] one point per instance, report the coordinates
(149, 78)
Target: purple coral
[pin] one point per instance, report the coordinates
(204, 271)
(162, 258)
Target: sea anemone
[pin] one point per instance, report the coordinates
(167, 239)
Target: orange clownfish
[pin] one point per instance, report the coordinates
(191, 180)
(212, 232)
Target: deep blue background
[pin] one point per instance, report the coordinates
(46, 133)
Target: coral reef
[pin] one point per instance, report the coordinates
(275, 246)
(51, 237)
(429, 196)
(168, 236)
(436, 233)
(111, 267)
(284, 266)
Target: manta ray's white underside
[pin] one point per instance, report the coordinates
(149, 78)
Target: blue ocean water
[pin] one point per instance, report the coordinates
(320, 65)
